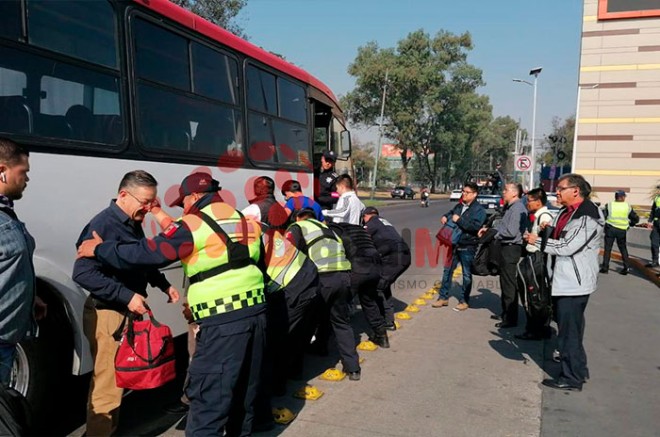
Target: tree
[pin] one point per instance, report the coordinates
(560, 151)
(430, 88)
(220, 12)
(363, 156)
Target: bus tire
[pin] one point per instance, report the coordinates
(42, 366)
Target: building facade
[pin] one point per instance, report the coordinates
(618, 112)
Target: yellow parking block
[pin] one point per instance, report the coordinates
(333, 375)
(412, 309)
(283, 416)
(367, 346)
(309, 393)
(403, 316)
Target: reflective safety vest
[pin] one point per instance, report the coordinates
(222, 267)
(656, 202)
(617, 215)
(324, 247)
(283, 261)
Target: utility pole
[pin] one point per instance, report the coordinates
(380, 137)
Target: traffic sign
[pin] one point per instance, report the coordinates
(523, 163)
(561, 155)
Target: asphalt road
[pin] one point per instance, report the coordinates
(453, 374)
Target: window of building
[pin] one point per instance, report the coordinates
(161, 55)
(80, 28)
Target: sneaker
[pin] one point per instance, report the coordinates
(651, 265)
(604, 270)
(440, 303)
(354, 376)
(461, 307)
(556, 357)
(624, 271)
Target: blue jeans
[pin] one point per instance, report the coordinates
(465, 255)
(7, 353)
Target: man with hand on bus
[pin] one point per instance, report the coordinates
(349, 207)
(222, 256)
(19, 303)
(114, 293)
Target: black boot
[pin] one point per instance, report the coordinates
(380, 338)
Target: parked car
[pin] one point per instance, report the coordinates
(402, 192)
(492, 202)
(455, 195)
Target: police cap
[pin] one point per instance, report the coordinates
(196, 183)
(370, 210)
(329, 156)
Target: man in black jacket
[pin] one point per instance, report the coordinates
(326, 190)
(469, 216)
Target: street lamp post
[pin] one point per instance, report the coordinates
(533, 72)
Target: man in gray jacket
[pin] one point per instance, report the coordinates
(509, 232)
(573, 247)
(19, 304)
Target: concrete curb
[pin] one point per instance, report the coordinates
(639, 265)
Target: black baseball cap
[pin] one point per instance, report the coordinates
(370, 210)
(620, 193)
(330, 156)
(196, 183)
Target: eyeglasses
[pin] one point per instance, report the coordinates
(147, 204)
(560, 189)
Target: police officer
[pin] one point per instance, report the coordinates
(327, 191)
(365, 275)
(325, 250)
(619, 217)
(222, 256)
(395, 255)
(654, 225)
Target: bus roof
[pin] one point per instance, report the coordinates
(216, 33)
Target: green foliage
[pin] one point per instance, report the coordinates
(363, 156)
(220, 12)
(432, 107)
(560, 128)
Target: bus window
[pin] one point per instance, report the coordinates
(16, 114)
(214, 75)
(85, 111)
(80, 28)
(178, 123)
(10, 19)
(292, 101)
(292, 143)
(262, 146)
(261, 91)
(161, 55)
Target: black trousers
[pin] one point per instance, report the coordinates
(570, 322)
(508, 281)
(335, 292)
(394, 265)
(365, 285)
(225, 377)
(611, 234)
(655, 243)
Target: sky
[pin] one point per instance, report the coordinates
(510, 37)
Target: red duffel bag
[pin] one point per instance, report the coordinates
(145, 358)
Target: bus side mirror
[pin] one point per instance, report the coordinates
(345, 144)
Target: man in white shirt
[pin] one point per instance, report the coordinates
(349, 207)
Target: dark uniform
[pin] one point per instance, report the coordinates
(326, 184)
(325, 249)
(654, 219)
(222, 255)
(395, 255)
(365, 275)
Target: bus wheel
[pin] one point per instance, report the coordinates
(42, 366)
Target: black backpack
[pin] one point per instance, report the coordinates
(14, 413)
(487, 260)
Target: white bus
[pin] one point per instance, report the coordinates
(97, 88)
